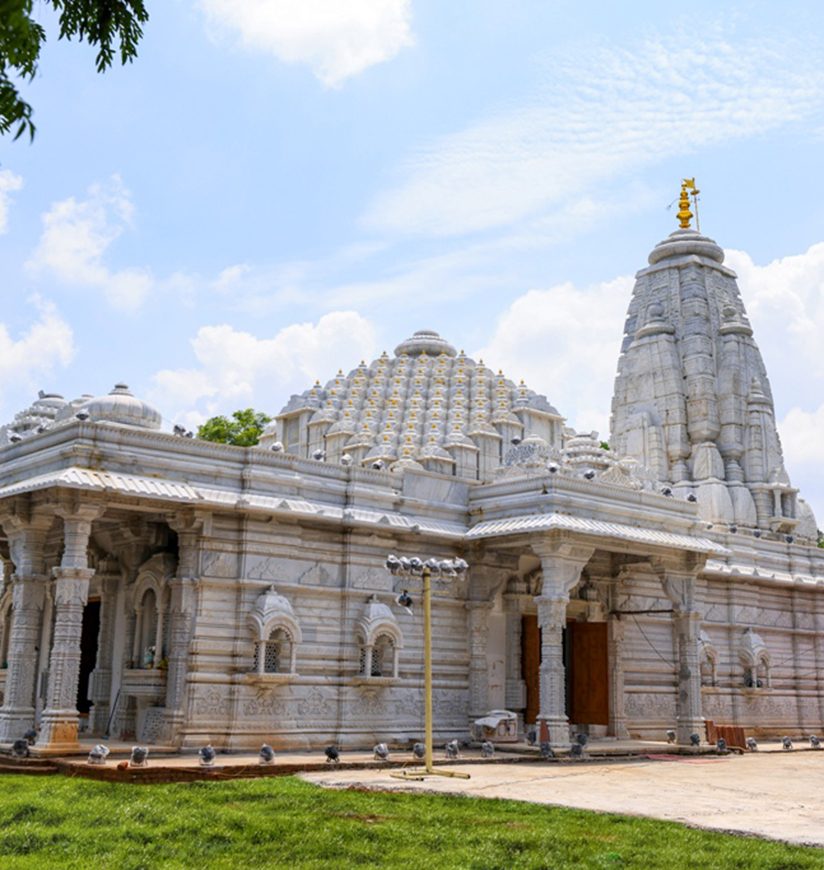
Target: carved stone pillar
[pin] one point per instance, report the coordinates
(561, 566)
(182, 608)
(515, 686)
(26, 540)
(101, 678)
(58, 731)
(679, 586)
(478, 671)
(615, 654)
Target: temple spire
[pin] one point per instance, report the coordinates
(688, 189)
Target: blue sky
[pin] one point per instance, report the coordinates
(277, 188)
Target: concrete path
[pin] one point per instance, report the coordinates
(779, 795)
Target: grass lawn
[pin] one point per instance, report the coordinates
(56, 821)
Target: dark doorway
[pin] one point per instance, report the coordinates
(587, 672)
(88, 653)
(531, 665)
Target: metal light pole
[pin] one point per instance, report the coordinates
(415, 567)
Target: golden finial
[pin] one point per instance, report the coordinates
(688, 189)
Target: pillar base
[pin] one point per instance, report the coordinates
(684, 729)
(555, 728)
(15, 722)
(58, 733)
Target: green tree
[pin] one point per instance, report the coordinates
(243, 429)
(113, 26)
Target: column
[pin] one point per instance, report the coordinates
(615, 652)
(478, 672)
(679, 585)
(515, 687)
(101, 679)
(26, 540)
(58, 731)
(182, 608)
(561, 566)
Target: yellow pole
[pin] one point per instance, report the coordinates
(427, 667)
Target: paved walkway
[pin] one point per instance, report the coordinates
(770, 794)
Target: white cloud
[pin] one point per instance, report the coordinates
(600, 116)
(336, 38)
(564, 343)
(9, 183)
(48, 342)
(77, 235)
(235, 369)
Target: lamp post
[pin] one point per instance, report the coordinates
(412, 568)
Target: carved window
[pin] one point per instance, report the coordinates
(275, 655)
(383, 657)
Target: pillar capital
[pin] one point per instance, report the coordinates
(561, 566)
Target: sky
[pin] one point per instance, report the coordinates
(278, 188)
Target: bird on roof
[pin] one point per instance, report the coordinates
(452, 749)
(319, 455)
(815, 742)
(381, 752)
(546, 750)
(266, 754)
(787, 743)
(487, 749)
(418, 750)
(671, 736)
(332, 754)
(207, 755)
(695, 739)
(752, 744)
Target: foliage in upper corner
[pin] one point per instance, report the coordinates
(243, 429)
(114, 26)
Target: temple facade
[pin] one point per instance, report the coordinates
(174, 591)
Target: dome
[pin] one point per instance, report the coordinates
(684, 242)
(425, 341)
(428, 405)
(121, 406)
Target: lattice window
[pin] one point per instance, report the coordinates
(276, 652)
(383, 657)
(363, 656)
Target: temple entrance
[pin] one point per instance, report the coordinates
(587, 673)
(587, 670)
(88, 654)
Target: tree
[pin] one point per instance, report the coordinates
(243, 429)
(111, 25)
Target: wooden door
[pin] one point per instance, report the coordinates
(531, 665)
(589, 673)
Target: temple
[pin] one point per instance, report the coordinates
(176, 591)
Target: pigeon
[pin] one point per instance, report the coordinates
(20, 748)
(787, 743)
(207, 755)
(319, 455)
(418, 750)
(332, 754)
(266, 754)
(815, 742)
(31, 736)
(721, 744)
(381, 752)
(671, 736)
(139, 756)
(487, 749)
(452, 749)
(378, 465)
(546, 750)
(752, 744)
(582, 739)
(98, 754)
(695, 739)
(277, 447)
(589, 474)
(532, 737)
(576, 750)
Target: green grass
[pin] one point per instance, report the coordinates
(56, 821)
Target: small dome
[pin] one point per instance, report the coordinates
(425, 341)
(120, 406)
(683, 242)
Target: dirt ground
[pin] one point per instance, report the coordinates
(770, 794)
